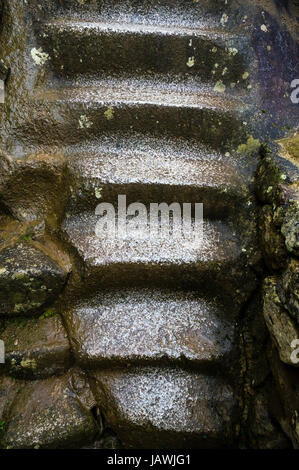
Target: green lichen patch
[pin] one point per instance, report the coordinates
(250, 147)
(48, 314)
(109, 114)
(290, 147)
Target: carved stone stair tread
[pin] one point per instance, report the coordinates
(168, 408)
(218, 244)
(146, 169)
(73, 113)
(153, 161)
(150, 326)
(215, 263)
(172, 12)
(96, 47)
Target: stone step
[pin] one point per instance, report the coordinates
(123, 327)
(166, 408)
(147, 170)
(71, 114)
(215, 260)
(168, 12)
(79, 46)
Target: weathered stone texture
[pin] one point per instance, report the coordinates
(34, 187)
(166, 408)
(289, 293)
(277, 187)
(272, 240)
(161, 102)
(29, 280)
(290, 228)
(150, 326)
(48, 414)
(263, 430)
(36, 348)
(285, 406)
(282, 327)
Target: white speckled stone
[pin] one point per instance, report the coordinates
(150, 326)
(130, 91)
(154, 408)
(80, 26)
(147, 160)
(218, 243)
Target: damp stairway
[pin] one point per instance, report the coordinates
(148, 102)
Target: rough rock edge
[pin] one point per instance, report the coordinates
(277, 187)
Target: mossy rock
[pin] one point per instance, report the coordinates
(29, 279)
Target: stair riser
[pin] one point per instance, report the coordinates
(98, 53)
(227, 282)
(222, 366)
(71, 123)
(218, 202)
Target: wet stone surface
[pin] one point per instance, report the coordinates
(265, 432)
(281, 326)
(36, 348)
(168, 408)
(216, 259)
(272, 240)
(277, 179)
(48, 414)
(290, 228)
(28, 280)
(150, 326)
(156, 77)
(289, 294)
(147, 168)
(34, 187)
(285, 406)
(156, 49)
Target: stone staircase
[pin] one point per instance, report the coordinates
(150, 101)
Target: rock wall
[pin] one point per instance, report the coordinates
(277, 189)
